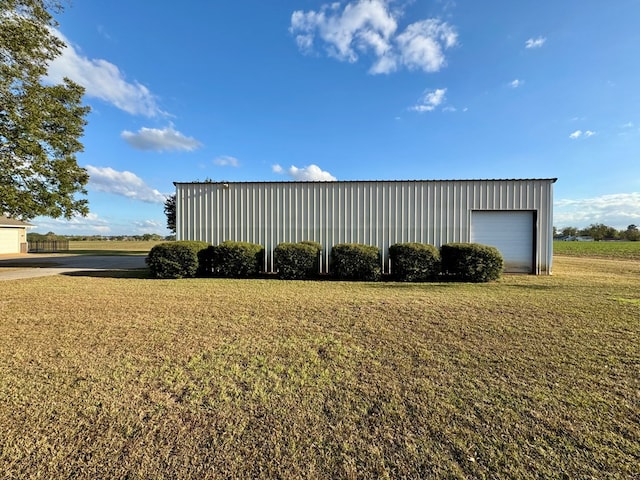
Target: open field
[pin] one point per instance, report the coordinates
(94, 247)
(528, 377)
(620, 250)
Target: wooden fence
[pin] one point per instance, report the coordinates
(49, 246)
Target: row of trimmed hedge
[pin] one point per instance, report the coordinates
(175, 259)
(419, 262)
(410, 262)
(231, 260)
(297, 261)
(187, 259)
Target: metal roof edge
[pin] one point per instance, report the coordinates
(552, 180)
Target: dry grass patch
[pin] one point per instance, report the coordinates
(111, 247)
(529, 377)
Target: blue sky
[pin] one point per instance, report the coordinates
(354, 90)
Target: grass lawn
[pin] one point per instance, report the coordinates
(528, 377)
(113, 247)
(620, 250)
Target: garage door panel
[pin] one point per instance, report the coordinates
(9, 240)
(511, 232)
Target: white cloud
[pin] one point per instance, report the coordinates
(127, 184)
(421, 45)
(160, 140)
(146, 225)
(371, 27)
(361, 25)
(430, 100)
(579, 133)
(92, 224)
(226, 161)
(311, 173)
(516, 83)
(104, 80)
(616, 210)
(75, 225)
(535, 42)
(628, 129)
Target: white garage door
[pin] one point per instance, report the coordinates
(9, 240)
(511, 232)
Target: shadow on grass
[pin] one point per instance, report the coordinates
(28, 264)
(141, 273)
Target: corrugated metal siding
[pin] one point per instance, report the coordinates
(378, 213)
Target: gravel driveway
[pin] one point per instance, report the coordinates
(41, 265)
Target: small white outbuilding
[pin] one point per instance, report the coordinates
(516, 216)
(13, 236)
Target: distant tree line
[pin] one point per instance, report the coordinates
(146, 237)
(599, 231)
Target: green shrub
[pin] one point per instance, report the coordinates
(353, 261)
(175, 259)
(414, 262)
(316, 245)
(232, 259)
(471, 262)
(296, 261)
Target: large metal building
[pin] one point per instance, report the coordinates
(515, 216)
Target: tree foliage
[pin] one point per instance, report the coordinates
(40, 124)
(632, 233)
(569, 231)
(600, 231)
(170, 212)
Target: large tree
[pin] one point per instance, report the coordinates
(569, 231)
(170, 212)
(600, 231)
(40, 124)
(632, 233)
